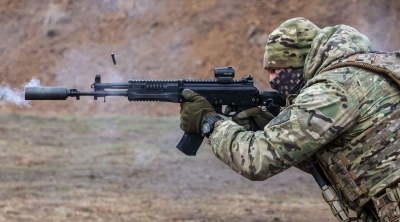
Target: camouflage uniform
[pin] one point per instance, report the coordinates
(329, 120)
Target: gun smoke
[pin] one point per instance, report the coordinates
(16, 96)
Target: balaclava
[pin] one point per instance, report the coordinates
(288, 82)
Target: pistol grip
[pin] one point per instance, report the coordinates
(190, 143)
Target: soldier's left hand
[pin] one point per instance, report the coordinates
(194, 112)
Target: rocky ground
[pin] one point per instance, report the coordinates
(114, 168)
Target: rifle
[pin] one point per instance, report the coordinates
(239, 94)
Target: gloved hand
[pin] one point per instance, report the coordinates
(194, 112)
(259, 117)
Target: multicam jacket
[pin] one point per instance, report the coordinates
(330, 117)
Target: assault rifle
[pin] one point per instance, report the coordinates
(224, 91)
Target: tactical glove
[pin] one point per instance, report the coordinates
(194, 112)
(253, 119)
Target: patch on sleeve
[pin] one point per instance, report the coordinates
(281, 118)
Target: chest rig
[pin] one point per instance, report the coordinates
(368, 168)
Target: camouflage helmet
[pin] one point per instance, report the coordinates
(288, 45)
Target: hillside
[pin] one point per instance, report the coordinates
(64, 42)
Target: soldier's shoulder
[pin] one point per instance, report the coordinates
(347, 77)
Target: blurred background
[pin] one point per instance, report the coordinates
(115, 161)
(63, 42)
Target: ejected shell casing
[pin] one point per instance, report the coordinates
(113, 58)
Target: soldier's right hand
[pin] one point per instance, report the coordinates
(253, 119)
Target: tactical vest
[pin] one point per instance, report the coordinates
(368, 168)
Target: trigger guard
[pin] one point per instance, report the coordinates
(234, 110)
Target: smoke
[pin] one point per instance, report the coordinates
(132, 9)
(16, 96)
(53, 17)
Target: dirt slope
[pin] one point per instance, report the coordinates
(64, 42)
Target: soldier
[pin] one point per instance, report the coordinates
(342, 117)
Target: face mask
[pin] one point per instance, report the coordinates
(288, 81)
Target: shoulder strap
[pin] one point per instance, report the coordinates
(382, 62)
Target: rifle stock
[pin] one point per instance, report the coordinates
(239, 94)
